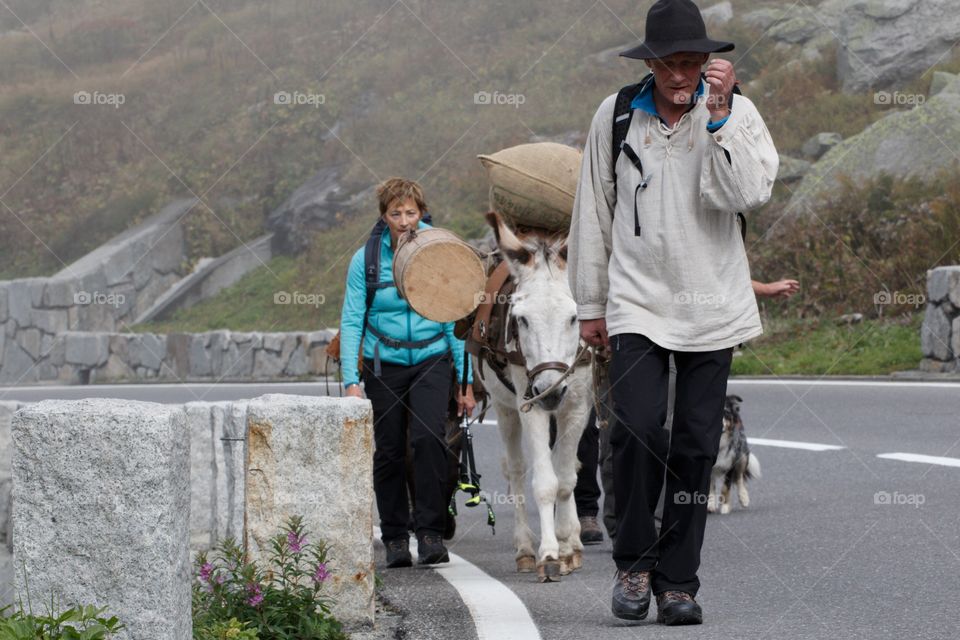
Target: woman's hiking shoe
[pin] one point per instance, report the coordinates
(431, 550)
(398, 553)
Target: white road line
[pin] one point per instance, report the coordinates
(762, 442)
(813, 446)
(497, 612)
(791, 444)
(916, 457)
(917, 384)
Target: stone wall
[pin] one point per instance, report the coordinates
(940, 334)
(106, 290)
(75, 357)
(209, 277)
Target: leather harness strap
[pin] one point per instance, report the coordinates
(491, 295)
(493, 328)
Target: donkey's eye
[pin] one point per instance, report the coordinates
(573, 320)
(523, 322)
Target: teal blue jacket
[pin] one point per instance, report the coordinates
(393, 317)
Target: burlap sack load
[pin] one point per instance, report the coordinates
(534, 184)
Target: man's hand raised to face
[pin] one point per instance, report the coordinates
(721, 78)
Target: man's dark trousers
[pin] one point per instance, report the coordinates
(644, 452)
(422, 389)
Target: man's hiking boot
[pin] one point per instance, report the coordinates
(678, 607)
(590, 532)
(631, 595)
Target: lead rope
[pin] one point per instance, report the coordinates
(600, 372)
(529, 401)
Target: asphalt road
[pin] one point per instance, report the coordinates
(837, 543)
(817, 555)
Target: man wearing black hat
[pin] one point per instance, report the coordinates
(657, 266)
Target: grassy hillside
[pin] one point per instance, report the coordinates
(397, 81)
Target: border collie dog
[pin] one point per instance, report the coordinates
(735, 463)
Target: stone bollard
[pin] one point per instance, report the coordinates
(313, 456)
(7, 591)
(940, 333)
(230, 428)
(101, 511)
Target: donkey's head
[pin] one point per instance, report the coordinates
(543, 314)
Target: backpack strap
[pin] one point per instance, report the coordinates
(371, 261)
(622, 117)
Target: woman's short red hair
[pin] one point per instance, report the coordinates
(394, 189)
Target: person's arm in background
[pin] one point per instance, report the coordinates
(465, 401)
(783, 289)
(351, 325)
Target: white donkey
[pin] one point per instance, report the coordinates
(546, 333)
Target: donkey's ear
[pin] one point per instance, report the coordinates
(509, 244)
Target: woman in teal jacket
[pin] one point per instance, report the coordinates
(406, 375)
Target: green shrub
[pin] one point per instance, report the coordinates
(231, 629)
(871, 242)
(76, 623)
(282, 601)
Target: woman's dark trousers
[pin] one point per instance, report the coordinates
(420, 392)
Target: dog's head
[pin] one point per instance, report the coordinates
(731, 414)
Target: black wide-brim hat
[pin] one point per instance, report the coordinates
(675, 26)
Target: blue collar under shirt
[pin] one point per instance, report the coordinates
(644, 99)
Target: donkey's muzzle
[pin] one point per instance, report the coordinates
(552, 400)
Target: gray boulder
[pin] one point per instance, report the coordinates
(919, 142)
(797, 24)
(718, 14)
(816, 146)
(792, 169)
(942, 80)
(891, 42)
(764, 18)
(315, 206)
